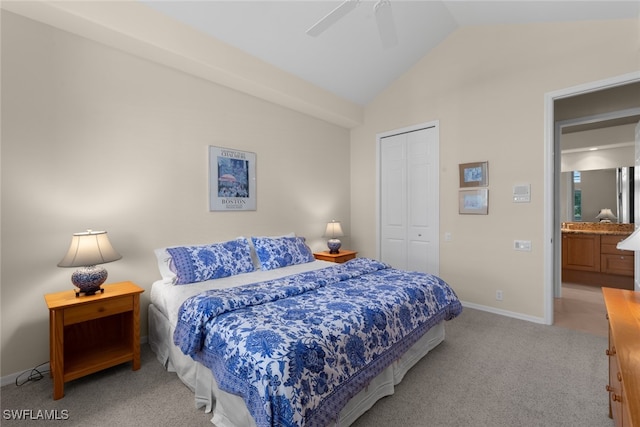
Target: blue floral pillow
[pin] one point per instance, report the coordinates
(199, 263)
(281, 251)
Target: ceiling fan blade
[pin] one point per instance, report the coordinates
(332, 17)
(386, 24)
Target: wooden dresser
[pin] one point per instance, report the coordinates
(623, 312)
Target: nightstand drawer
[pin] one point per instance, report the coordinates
(97, 309)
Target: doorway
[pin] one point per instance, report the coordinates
(552, 220)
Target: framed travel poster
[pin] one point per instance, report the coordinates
(232, 180)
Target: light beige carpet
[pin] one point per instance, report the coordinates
(491, 371)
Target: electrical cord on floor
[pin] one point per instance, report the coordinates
(35, 374)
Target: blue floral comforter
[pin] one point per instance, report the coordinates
(298, 348)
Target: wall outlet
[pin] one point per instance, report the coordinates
(498, 295)
(522, 245)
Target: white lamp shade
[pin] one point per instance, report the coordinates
(631, 243)
(89, 248)
(334, 229)
(606, 214)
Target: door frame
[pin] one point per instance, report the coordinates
(552, 235)
(432, 124)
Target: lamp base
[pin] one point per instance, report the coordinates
(80, 293)
(334, 246)
(88, 279)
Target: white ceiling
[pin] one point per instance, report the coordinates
(348, 59)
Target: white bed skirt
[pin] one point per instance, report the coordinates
(229, 410)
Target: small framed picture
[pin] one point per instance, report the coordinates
(474, 202)
(474, 174)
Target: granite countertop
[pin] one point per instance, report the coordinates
(597, 228)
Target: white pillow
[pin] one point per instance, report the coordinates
(164, 259)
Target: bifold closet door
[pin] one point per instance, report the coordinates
(409, 200)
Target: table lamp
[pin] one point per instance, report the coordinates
(334, 229)
(606, 215)
(88, 249)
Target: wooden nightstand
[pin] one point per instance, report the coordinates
(342, 256)
(91, 333)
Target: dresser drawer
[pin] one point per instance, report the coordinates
(623, 308)
(97, 309)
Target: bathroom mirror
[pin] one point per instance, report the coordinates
(587, 192)
(597, 165)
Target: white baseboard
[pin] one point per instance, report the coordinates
(11, 378)
(504, 312)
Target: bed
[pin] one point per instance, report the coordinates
(265, 335)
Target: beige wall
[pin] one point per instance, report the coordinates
(486, 86)
(96, 138)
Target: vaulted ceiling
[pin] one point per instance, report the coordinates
(348, 58)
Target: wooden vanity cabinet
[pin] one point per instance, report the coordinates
(581, 252)
(594, 259)
(614, 260)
